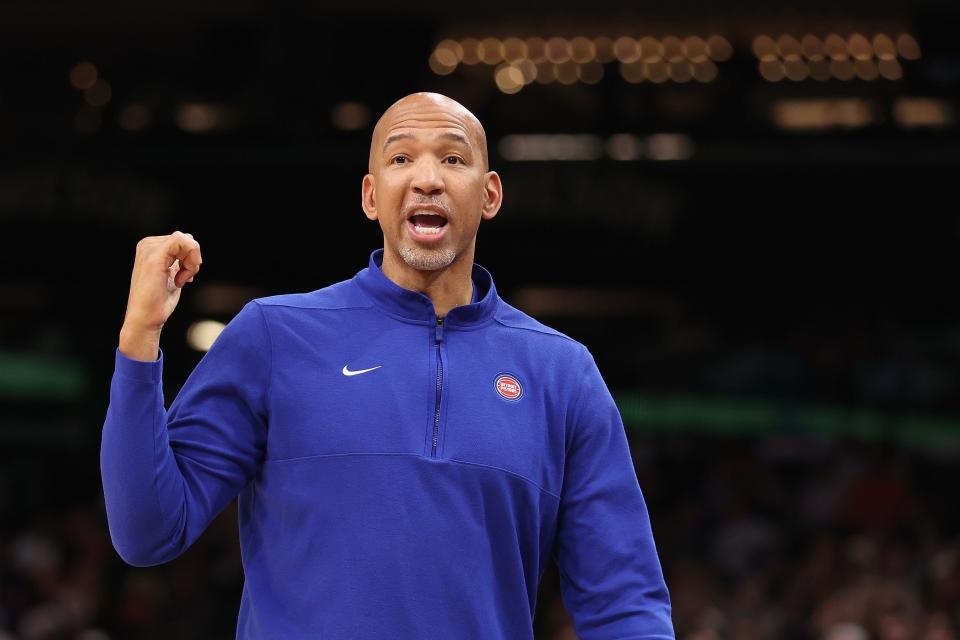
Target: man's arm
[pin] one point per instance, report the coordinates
(610, 575)
(167, 474)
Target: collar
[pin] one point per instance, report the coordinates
(415, 306)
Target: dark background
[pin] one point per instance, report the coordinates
(775, 312)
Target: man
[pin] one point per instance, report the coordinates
(408, 449)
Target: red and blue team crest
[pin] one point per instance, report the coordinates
(508, 386)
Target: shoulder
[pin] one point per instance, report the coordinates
(509, 316)
(340, 295)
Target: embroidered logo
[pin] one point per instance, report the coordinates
(508, 386)
(347, 372)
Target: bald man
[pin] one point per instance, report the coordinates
(409, 450)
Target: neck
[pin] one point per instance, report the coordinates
(447, 288)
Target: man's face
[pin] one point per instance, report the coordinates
(428, 184)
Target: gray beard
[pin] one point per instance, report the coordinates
(426, 259)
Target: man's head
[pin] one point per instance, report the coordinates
(429, 182)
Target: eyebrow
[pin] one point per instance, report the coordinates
(456, 137)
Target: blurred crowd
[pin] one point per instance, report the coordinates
(792, 538)
(784, 537)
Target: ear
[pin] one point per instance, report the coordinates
(368, 196)
(492, 195)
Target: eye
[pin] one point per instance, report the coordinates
(399, 160)
(457, 159)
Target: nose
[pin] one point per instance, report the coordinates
(427, 178)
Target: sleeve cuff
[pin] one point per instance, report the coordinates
(143, 370)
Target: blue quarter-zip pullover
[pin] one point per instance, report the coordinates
(399, 475)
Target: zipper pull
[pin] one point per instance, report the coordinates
(439, 331)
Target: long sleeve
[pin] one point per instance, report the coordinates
(610, 575)
(167, 474)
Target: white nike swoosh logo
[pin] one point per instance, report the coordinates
(347, 372)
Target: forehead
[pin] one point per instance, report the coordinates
(426, 123)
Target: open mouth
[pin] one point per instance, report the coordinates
(427, 224)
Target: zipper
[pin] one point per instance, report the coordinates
(436, 416)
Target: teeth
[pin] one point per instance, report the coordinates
(427, 230)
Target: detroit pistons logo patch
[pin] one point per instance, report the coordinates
(508, 386)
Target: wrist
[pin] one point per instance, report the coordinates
(140, 343)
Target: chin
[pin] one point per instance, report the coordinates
(424, 259)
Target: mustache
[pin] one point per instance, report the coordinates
(419, 201)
